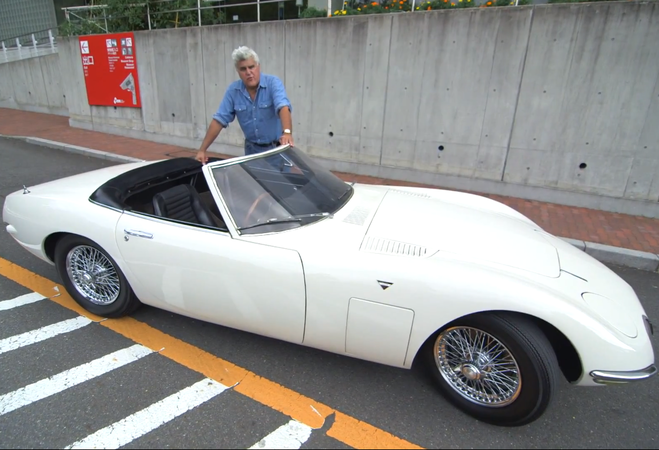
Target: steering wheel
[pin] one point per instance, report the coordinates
(253, 207)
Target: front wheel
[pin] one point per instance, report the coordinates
(499, 368)
(93, 278)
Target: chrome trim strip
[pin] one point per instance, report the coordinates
(606, 377)
(105, 206)
(138, 233)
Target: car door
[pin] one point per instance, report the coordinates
(210, 275)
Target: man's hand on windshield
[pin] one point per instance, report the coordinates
(201, 157)
(286, 138)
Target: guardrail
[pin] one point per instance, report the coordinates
(28, 45)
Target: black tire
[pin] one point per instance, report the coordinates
(529, 373)
(101, 289)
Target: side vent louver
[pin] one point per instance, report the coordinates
(377, 245)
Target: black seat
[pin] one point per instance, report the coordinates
(182, 203)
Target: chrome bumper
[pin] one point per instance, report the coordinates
(609, 377)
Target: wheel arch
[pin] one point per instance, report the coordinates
(568, 358)
(50, 243)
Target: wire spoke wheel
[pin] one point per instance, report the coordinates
(93, 275)
(477, 366)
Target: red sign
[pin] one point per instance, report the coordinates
(110, 67)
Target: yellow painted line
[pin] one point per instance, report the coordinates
(346, 429)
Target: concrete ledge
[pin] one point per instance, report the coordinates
(81, 150)
(581, 245)
(74, 149)
(617, 255)
(55, 110)
(623, 256)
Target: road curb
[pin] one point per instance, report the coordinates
(618, 255)
(81, 150)
(604, 253)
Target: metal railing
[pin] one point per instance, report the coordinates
(30, 45)
(100, 21)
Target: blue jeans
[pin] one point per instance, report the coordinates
(251, 148)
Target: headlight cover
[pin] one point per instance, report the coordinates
(612, 312)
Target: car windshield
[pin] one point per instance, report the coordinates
(279, 190)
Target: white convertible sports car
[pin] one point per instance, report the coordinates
(275, 244)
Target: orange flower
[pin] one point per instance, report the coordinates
(386, 7)
(428, 8)
(488, 3)
(374, 3)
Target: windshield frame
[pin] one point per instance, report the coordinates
(321, 181)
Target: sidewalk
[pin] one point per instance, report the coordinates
(611, 237)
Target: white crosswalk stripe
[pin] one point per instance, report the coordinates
(69, 378)
(20, 301)
(41, 334)
(291, 435)
(152, 417)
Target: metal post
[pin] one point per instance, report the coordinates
(34, 44)
(148, 15)
(199, 11)
(105, 17)
(329, 8)
(258, 10)
(4, 51)
(18, 45)
(51, 39)
(413, 3)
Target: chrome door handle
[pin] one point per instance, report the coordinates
(138, 233)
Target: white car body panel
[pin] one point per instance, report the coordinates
(441, 255)
(210, 276)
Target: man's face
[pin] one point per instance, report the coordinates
(249, 72)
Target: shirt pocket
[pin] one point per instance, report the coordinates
(266, 110)
(243, 113)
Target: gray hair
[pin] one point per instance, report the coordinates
(243, 53)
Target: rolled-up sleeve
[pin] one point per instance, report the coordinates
(226, 112)
(279, 97)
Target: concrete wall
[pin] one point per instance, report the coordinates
(550, 102)
(33, 84)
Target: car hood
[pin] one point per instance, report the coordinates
(420, 223)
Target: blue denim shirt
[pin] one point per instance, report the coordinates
(259, 119)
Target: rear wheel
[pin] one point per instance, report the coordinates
(499, 368)
(93, 278)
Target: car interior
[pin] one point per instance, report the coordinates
(173, 189)
(186, 199)
(176, 190)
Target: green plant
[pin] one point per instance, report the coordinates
(184, 13)
(126, 15)
(78, 28)
(313, 12)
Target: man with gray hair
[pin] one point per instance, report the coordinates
(260, 103)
